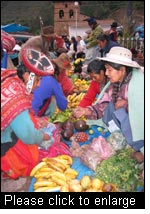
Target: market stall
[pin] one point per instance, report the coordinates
(93, 160)
(114, 171)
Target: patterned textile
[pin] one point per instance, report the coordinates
(14, 98)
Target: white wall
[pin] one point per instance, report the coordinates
(81, 30)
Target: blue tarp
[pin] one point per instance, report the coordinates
(77, 164)
(140, 29)
(12, 28)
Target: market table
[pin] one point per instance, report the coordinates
(77, 164)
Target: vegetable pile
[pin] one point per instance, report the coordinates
(121, 170)
(60, 116)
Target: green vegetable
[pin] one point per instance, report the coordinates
(60, 117)
(121, 170)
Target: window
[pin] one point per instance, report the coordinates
(71, 13)
(61, 14)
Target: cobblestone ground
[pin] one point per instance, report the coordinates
(18, 185)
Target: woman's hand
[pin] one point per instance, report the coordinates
(121, 103)
(46, 137)
(78, 112)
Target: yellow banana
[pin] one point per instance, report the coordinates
(59, 175)
(53, 189)
(73, 96)
(73, 105)
(71, 171)
(70, 176)
(59, 163)
(41, 179)
(79, 97)
(46, 169)
(82, 96)
(66, 157)
(47, 189)
(58, 181)
(41, 175)
(63, 162)
(69, 98)
(36, 168)
(53, 166)
(75, 99)
(44, 184)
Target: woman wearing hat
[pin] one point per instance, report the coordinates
(123, 100)
(43, 42)
(48, 95)
(20, 133)
(63, 63)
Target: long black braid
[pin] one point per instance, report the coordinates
(117, 85)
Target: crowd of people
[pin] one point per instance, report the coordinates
(31, 92)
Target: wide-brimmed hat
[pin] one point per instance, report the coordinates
(114, 24)
(47, 31)
(120, 55)
(63, 61)
(37, 62)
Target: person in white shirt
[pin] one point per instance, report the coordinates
(81, 46)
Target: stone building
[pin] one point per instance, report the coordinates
(69, 21)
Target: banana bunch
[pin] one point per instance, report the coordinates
(52, 173)
(81, 85)
(74, 99)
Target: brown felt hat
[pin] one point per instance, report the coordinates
(47, 31)
(63, 61)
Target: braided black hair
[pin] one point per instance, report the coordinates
(21, 70)
(117, 85)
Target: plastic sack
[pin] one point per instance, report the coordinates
(90, 158)
(116, 140)
(100, 146)
(58, 147)
(49, 129)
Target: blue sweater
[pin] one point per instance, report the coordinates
(49, 87)
(24, 129)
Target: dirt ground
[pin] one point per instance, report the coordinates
(19, 185)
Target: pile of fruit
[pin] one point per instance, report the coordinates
(81, 85)
(67, 130)
(88, 184)
(74, 99)
(53, 173)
